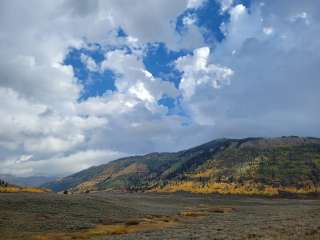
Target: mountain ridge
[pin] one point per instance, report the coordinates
(249, 166)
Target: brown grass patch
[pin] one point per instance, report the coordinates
(221, 210)
(132, 226)
(203, 211)
(22, 189)
(193, 214)
(132, 222)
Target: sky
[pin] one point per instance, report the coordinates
(83, 82)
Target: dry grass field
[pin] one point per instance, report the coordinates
(99, 216)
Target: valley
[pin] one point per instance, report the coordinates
(253, 188)
(110, 215)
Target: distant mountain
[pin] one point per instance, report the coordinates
(32, 181)
(262, 166)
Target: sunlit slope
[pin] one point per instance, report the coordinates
(240, 166)
(6, 187)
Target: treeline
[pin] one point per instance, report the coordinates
(3, 183)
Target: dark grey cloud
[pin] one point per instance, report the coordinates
(274, 90)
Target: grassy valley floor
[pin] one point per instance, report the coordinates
(99, 216)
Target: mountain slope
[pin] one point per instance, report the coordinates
(242, 166)
(6, 187)
(32, 181)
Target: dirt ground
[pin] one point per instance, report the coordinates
(99, 216)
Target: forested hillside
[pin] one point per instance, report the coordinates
(228, 166)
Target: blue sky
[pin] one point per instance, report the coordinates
(94, 84)
(86, 82)
(158, 59)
